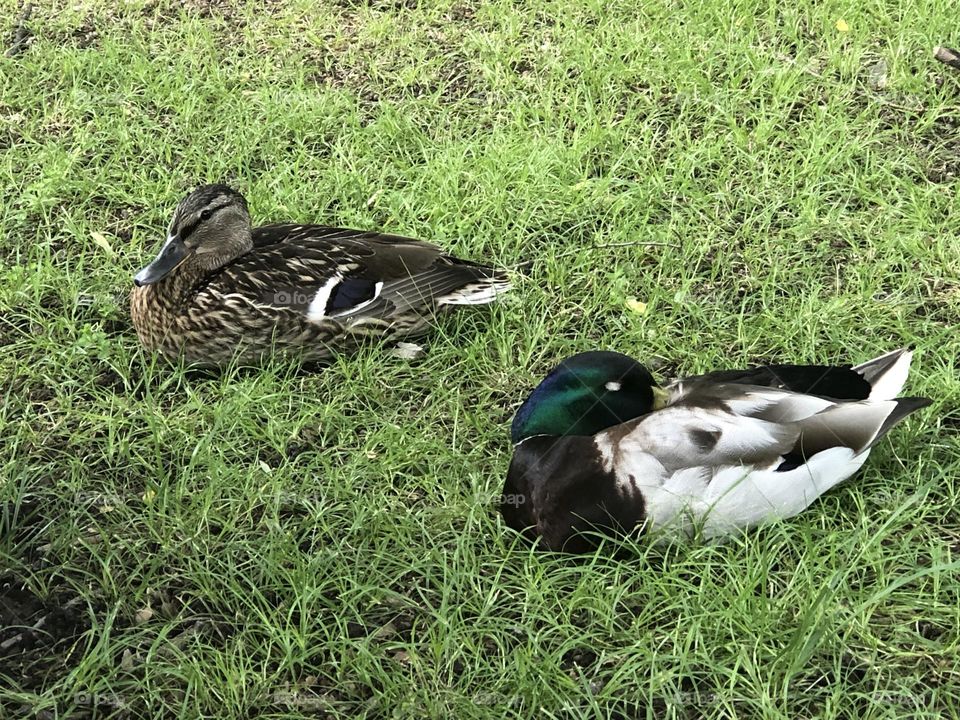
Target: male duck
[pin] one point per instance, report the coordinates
(220, 290)
(600, 447)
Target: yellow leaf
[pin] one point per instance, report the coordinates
(636, 306)
(842, 25)
(148, 496)
(101, 240)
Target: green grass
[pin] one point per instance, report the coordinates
(281, 543)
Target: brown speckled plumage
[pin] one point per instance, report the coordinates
(242, 293)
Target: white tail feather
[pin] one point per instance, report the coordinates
(477, 293)
(888, 382)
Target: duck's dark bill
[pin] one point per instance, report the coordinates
(171, 255)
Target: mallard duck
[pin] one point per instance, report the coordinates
(600, 448)
(220, 289)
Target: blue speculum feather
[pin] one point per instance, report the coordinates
(350, 293)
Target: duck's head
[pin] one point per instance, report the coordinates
(209, 228)
(588, 393)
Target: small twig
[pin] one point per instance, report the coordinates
(523, 267)
(21, 35)
(947, 56)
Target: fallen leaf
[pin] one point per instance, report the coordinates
(406, 351)
(842, 25)
(101, 240)
(636, 306)
(142, 616)
(167, 607)
(877, 74)
(386, 631)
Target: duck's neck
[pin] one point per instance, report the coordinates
(183, 282)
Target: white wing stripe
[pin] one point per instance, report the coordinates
(318, 306)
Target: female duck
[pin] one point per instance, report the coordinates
(600, 447)
(220, 290)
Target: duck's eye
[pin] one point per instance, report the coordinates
(206, 214)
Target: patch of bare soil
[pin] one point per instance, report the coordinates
(942, 146)
(38, 637)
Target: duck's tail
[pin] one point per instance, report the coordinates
(477, 285)
(856, 425)
(886, 374)
(476, 293)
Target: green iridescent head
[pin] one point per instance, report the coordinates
(588, 393)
